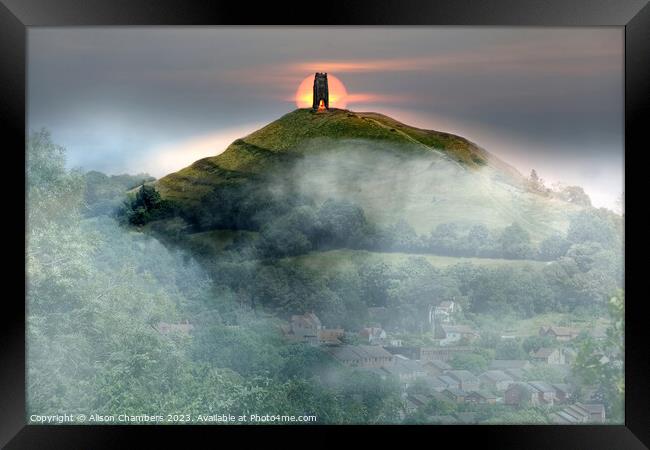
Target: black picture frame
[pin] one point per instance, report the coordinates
(17, 15)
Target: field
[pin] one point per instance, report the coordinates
(340, 260)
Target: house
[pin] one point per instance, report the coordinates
(439, 396)
(413, 402)
(456, 395)
(516, 374)
(445, 310)
(418, 399)
(455, 333)
(307, 328)
(496, 380)
(505, 364)
(330, 336)
(408, 351)
(365, 356)
(562, 392)
(481, 397)
(520, 393)
(305, 325)
(579, 413)
(413, 368)
(596, 411)
(559, 333)
(373, 335)
(442, 353)
(166, 328)
(435, 368)
(545, 392)
(405, 370)
(449, 382)
(465, 378)
(410, 407)
(436, 384)
(425, 354)
(549, 355)
(568, 416)
(379, 371)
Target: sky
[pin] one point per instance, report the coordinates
(155, 99)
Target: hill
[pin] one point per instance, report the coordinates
(394, 171)
(287, 138)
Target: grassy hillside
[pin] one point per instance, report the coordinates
(286, 138)
(343, 260)
(430, 177)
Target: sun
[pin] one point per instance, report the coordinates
(338, 94)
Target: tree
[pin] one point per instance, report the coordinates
(553, 247)
(340, 223)
(515, 242)
(402, 237)
(536, 183)
(593, 226)
(375, 282)
(474, 362)
(509, 349)
(146, 205)
(601, 364)
(535, 342)
(444, 238)
(480, 242)
(573, 194)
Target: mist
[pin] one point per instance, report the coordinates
(421, 186)
(187, 310)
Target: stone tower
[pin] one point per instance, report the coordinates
(321, 92)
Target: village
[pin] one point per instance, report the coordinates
(505, 382)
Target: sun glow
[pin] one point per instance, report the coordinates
(338, 94)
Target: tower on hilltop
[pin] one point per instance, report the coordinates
(321, 93)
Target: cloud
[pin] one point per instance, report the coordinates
(547, 56)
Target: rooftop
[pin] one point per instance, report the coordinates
(357, 352)
(543, 352)
(542, 386)
(496, 375)
(456, 392)
(559, 331)
(462, 375)
(440, 365)
(593, 408)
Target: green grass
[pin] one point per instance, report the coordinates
(345, 260)
(530, 326)
(286, 137)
